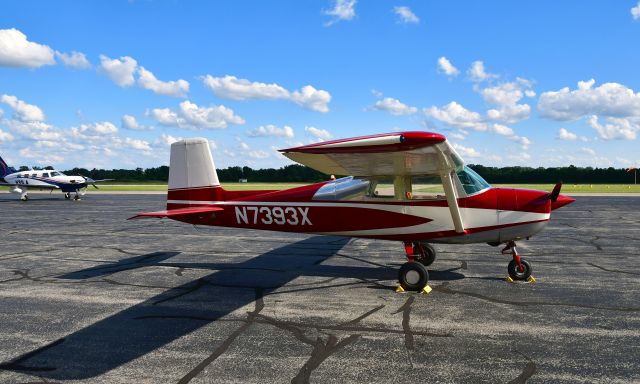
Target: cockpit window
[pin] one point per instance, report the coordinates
(54, 173)
(471, 181)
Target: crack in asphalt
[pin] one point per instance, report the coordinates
(406, 326)
(529, 370)
(444, 289)
(251, 316)
(614, 270)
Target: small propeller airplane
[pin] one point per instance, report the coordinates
(410, 187)
(22, 181)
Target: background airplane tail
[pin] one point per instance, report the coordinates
(192, 174)
(5, 169)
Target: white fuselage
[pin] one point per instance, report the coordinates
(44, 179)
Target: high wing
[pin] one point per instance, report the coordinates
(191, 212)
(401, 155)
(391, 154)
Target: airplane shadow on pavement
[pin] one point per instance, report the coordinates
(159, 320)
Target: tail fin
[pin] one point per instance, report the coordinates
(192, 174)
(5, 169)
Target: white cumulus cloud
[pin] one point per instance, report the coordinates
(394, 107)
(457, 116)
(130, 122)
(342, 10)
(563, 134)
(230, 87)
(271, 130)
(609, 99)
(147, 80)
(191, 116)
(477, 72)
(5, 136)
(311, 98)
(318, 133)
(635, 11)
(445, 66)
(405, 15)
(466, 151)
(506, 97)
(615, 128)
(23, 111)
(17, 51)
(120, 71)
(74, 59)
(137, 144)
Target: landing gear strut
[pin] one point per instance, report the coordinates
(413, 275)
(67, 195)
(518, 268)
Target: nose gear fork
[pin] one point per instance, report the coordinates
(518, 268)
(510, 248)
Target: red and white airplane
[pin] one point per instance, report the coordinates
(410, 187)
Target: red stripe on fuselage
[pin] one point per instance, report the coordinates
(304, 219)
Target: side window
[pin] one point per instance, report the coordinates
(46, 174)
(381, 188)
(34, 175)
(427, 187)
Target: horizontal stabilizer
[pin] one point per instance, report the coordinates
(178, 213)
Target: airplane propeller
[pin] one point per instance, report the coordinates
(91, 181)
(553, 196)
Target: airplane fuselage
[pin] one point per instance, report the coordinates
(495, 215)
(21, 182)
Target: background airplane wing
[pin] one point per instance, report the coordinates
(401, 153)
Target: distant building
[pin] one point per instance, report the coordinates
(242, 181)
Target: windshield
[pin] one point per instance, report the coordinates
(54, 173)
(471, 181)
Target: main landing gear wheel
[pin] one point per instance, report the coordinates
(413, 276)
(76, 197)
(424, 253)
(517, 273)
(67, 195)
(24, 197)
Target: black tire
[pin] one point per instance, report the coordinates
(424, 253)
(67, 196)
(517, 275)
(413, 276)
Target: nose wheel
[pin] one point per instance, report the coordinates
(67, 195)
(519, 269)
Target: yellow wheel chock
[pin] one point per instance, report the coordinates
(400, 289)
(531, 279)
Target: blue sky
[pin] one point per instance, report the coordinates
(112, 84)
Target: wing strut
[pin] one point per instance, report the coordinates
(452, 201)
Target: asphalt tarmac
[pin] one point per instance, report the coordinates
(87, 296)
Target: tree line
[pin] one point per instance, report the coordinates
(300, 173)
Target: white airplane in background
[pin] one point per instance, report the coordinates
(21, 181)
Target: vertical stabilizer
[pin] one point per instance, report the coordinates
(5, 169)
(192, 174)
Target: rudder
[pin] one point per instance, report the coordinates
(192, 174)
(5, 169)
